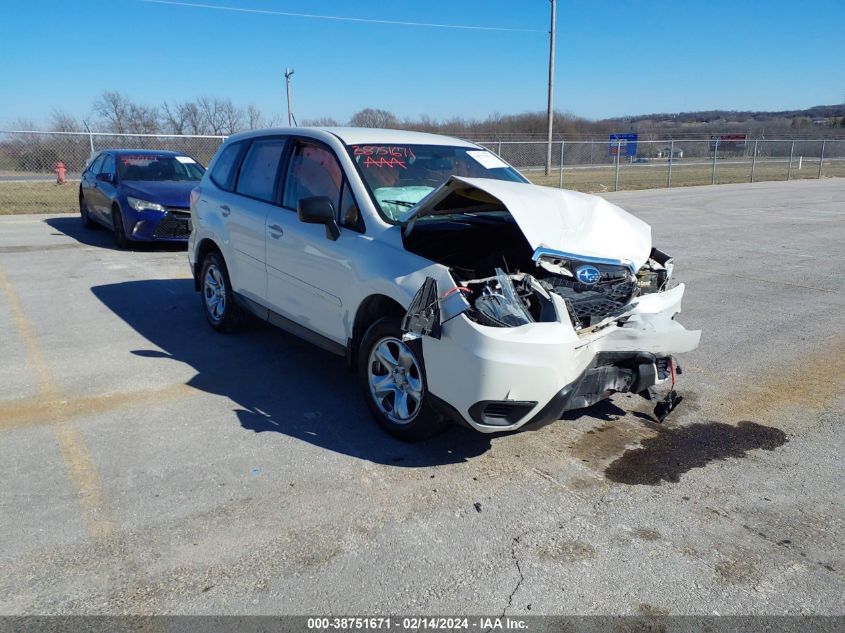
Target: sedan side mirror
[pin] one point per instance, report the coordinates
(319, 210)
(104, 177)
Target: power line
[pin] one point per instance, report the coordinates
(339, 18)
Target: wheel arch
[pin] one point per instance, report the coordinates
(370, 310)
(205, 246)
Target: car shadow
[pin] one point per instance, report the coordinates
(101, 237)
(278, 383)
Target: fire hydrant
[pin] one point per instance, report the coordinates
(61, 173)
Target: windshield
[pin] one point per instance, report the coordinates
(152, 167)
(399, 176)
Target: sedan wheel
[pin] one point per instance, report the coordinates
(120, 236)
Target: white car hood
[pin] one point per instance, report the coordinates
(554, 221)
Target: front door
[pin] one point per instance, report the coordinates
(310, 276)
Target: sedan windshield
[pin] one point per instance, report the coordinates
(399, 176)
(152, 167)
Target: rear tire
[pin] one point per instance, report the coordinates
(391, 374)
(218, 300)
(120, 237)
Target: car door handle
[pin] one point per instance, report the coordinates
(225, 210)
(276, 231)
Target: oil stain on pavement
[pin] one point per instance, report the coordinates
(674, 451)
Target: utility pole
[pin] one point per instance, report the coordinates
(550, 112)
(288, 75)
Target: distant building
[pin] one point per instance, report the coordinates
(664, 153)
(821, 121)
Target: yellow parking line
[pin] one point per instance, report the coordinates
(41, 410)
(47, 385)
(77, 460)
(86, 481)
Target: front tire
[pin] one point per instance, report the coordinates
(120, 237)
(87, 222)
(218, 299)
(392, 378)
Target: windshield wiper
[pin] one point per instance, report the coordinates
(401, 203)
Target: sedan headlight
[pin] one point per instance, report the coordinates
(144, 205)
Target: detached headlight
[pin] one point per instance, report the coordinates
(144, 205)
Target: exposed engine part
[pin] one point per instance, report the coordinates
(655, 274)
(509, 300)
(500, 304)
(592, 292)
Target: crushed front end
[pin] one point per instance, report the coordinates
(515, 349)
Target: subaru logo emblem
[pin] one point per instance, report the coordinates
(587, 274)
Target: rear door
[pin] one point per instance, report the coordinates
(255, 190)
(88, 181)
(104, 192)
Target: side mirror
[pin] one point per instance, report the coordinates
(104, 177)
(319, 210)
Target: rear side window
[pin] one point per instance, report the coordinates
(95, 166)
(224, 170)
(108, 165)
(258, 171)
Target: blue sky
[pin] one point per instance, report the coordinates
(614, 57)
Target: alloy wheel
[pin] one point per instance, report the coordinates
(395, 380)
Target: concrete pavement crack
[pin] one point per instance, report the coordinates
(515, 559)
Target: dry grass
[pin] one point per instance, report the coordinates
(38, 197)
(632, 177)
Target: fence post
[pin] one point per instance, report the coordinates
(821, 159)
(499, 152)
(618, 150)
(671, 156)
(562, 145)
(754, 159)
(789, 169)
(715, 151)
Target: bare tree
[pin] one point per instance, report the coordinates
(120, 114)
(325, 121)
(194, 123)
(143, 119)
(373, 117)
(174, 117)
(254, 118)
(113, 108)
(232, 116)
(61, 121)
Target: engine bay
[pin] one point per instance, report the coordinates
(505, 284)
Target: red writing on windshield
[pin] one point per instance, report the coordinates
(135, 160)
(369, 161)
(391, 156)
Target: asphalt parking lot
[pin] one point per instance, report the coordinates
(150, 465)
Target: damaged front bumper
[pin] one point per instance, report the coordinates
(500, 379)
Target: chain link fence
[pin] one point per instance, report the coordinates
(599, 166)
(28, 161)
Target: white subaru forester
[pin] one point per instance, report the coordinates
(455, 288)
